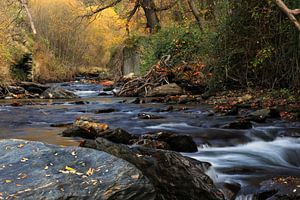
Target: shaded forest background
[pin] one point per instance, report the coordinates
(248, 43)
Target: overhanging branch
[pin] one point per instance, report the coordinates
(290, 13)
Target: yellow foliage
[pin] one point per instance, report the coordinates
(76, 40)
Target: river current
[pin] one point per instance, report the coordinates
(245, 157)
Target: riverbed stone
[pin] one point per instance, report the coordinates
(34, 170)
(58, 93)
(165, 90)
(280, 188)
(174, 176)
(176, 142)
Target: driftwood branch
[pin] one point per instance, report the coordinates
(290, 13)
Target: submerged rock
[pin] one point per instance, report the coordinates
(179, 143)
(58, 93)
(118, 136)
(165, 90)
(174, 176)
(33, 170)
(105, 110)
(280, 188)
(148, 116)
(240, 124)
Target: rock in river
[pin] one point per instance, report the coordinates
(34, 170)
(165, 90)
(58, 93)
(174, 176)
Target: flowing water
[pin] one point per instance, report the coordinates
(245, 157)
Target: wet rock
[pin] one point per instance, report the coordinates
(31, 87)
(80, 102)
(266, 113)
(174, 176)
(85, 128)
(75, 131)
(108, 88)
(231, 190)
(105, 110)
(157, 100)
(280, 188)
(186, 99)
(58, 93)
(179, 143)
(16, 104)
(105, 93)
(148, 116)
(60, 125)
(165, 90)
(137, 101)
(240, 124)
(33, 170)
(154, 144)
(167, 109)
(117, 136)
(233, 111)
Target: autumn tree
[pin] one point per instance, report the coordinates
(149, 7)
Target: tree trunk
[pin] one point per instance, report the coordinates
(290, 13)
(196, 13)
(25, 6)
(151, 15)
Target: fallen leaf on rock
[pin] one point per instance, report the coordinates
(135, 176)
(20, 145)
(24, 159)
(8, 181)
(90, 172)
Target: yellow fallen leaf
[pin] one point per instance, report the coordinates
(20, 145)
(90, 172)
(24, 159)
(46, 168)
(8, 181)
(135, 176)
(69, 168)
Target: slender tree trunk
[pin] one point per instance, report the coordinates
(151, 15)
(290, 13)
(196, 13)
(25, 6)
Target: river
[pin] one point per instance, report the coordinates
(245, 157)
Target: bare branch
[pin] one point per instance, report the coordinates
(99, 8)
(131, 14)
(289, 13)
(25, 6)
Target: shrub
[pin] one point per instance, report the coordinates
(183, 44)
(256, 45)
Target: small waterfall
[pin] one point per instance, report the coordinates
(245, 197)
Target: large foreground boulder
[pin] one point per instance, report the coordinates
(33, 170)
(166, 90)
(58, 93)
(174, 176)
